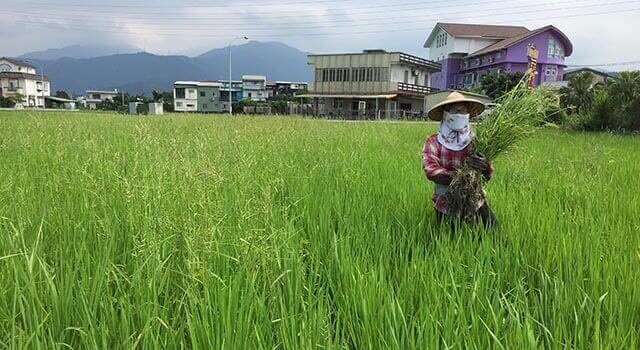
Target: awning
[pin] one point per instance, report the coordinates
(58, 99)
(361, 97)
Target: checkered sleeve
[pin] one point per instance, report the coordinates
(431, 159)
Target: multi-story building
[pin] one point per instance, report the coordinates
(235, 90)
(197, 96)
(468, 51)
(93, 98)
(285, 88)
(372, 84)
(254, 87)
(20, 78)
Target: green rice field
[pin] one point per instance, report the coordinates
(211, 232)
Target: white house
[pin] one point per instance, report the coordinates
(20, 78)
(185, 96)
(254, 87)
(95, 97)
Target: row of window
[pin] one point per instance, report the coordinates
(352, 74)
(555, 49)
(441, 40)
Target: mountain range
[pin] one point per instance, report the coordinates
(76, 68)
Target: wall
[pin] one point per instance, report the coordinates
(210, 102)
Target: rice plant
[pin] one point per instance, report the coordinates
(210, 232)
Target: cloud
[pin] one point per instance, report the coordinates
(320, 26)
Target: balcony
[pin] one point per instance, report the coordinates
(415, 89)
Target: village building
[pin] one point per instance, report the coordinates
(93, 98)
(254, 87)
(235, 89)
(197, 96)
(370, 84)
(285, 88)
(599, 76)
(468, 51)
(19, 78)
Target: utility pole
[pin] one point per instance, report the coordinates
(230, 81)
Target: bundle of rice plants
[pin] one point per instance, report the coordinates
(518, 114)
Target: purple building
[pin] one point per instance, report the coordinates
(469, 51)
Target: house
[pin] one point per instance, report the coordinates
(94, 97)
(235, 90)
(254, 87)
(197, 96)
(370, 84)
(599, 76)
(469, 51)
(20, 78)
(285, 88)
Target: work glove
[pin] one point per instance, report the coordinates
(478, 163)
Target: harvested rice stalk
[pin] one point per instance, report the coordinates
(518, 114)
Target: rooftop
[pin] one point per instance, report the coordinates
(18, 62)
(462, 30)
(518, 38)
(20, 75)
(106, 92)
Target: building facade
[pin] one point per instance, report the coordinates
(20, 79)
(254, 87)
(286, 88)
(467, 52)
(370, 84)
(92, 98)
(235, 89)
(197, 96)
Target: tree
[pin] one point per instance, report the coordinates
(7, 102)
(62, 94)
(496, 84)
(578, 95)
(626, 86)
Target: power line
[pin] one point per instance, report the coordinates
(272, 28)
(342, 33)
(610, 64)
(262, 11)
(371, 21)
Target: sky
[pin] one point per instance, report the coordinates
(601, 32)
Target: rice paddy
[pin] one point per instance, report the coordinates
(210, 232)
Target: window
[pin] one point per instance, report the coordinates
(406, 76)
(190, 105)
(204, 106)
(551, 71)
(554, 49)
(426, 80)
(178, 104)
(346, 74)
(95, 96)
(249, 95)
(179, 92)
(499, 54)
(363, 74)
(203, 94)
(476, 62)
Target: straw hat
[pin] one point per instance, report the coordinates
(475, 107)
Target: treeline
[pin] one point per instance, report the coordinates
(585, 103)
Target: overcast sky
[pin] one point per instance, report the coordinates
(602, 32)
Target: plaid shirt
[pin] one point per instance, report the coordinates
(438, 160)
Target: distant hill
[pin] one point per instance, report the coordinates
(144, 72)
(275, 60)
(80, 51)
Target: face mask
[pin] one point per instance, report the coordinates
(456, 121)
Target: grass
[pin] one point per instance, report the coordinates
(264, 233)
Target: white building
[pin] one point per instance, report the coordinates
(197, 96)
(94, 97)
(254, 87)
(20, 78)
(370, 84)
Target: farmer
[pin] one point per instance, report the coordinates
(448, 150)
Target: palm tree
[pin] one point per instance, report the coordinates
(579, 93)
(625, 87)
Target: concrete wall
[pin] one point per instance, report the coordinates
(210, 102)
